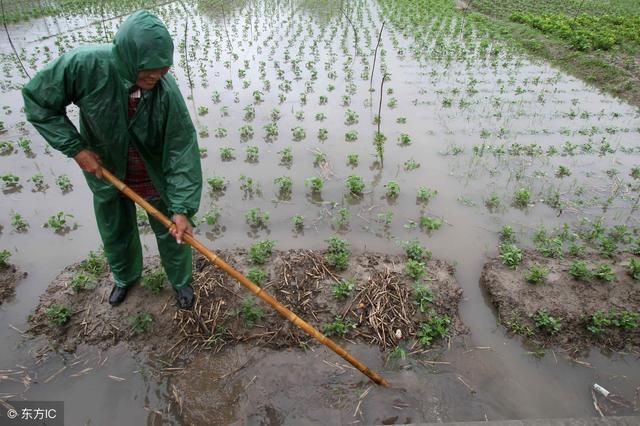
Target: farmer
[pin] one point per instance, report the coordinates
(134, 122)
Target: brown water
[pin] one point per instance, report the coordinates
(484, 375)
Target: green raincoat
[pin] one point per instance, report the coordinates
(97, 79)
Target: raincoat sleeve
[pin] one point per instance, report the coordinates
(181, 157)
(46, 97)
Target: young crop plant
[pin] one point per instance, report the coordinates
(598, 322)
(393, 189)
(355, 185)
(423, 297)
(607, 247)
(25, 145)
(220, 132)
(546, 322)
(275, 114)
(18, 223)
(83, 281)
(215, 97)
(424, 194)
(404, 139)
(315, 183)
(634, 268)
(212, 216)
(298, 222)
(401, 120)
(4, 259)
(319, 158)
(64, 183)
(250, 313)
(203, 110)
(605, 273)
(492, 202)
(342, 221)
(337, 253)
(257, 275)
(299, 115)
(271, 131)
(322, 100)
(522, 198)
(284, 185)
(343, 288)
(154, 281)
(320, 116)
(352, 160)
(397, 353)
(510, 255)
(217, 183)
(338, 327)
(415, 269)
(414, 250)
(537, 274)
(260, 251)
(253, 153)
(57, 315)
(580, 271)
(350, 117)
(411, 164)
(286, 156)
(6, 148)
(256, 217)
(563, 171)
(298, 133)
(323, 134)
(203, 152)
(58, 222)
(246, 132)
(430, 223)
(141, 321)
(95, 263)
(38, 182)
(226, 153)
(351, 136)
(436, 327)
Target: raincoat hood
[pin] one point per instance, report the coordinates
(141, 43)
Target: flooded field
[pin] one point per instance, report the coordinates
(288, 97)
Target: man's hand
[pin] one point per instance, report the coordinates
(182, 226)
(89, 162)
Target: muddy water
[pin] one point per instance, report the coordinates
(483, 375)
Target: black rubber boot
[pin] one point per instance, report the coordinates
(184, 296)
(118, 294)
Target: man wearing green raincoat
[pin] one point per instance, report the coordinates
(134, 122)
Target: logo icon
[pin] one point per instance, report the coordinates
(12, 414)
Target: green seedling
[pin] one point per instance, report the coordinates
(546, 322)
(437, 326)
(315, 183)
(95, 263)
(411, 165)
(203, 110)
(83, 281)
(256, 217)
(226, 153)
(393, 189)
(6, 148)
(429, 223)
(355, 185)
(246, 132)
(415, 269)
(507, 234)
(64, 183)
(343, 289)
(298, 134)
(605, 273)
(352, 160)
(212, 216)
(275, 114)
(580, 271)
(57, 314)
(634, 268)
(510, 255)
(319, 158)
(286, 156)
(203, 152)
(10, 180)
(424, 194)
(260, 251)
(522, 198)
(18, 223)
(154, 281)
(25, 145)
(4, 259)
(537, 274)
(350, 117)
(220, 132)
(337, 253)
(252, 153)
(401, 120)
(257, 275)
(141, 322)
(404, 139)
(563, 171)
(217, 183)
(423, 297)
(338, 327)
(492, 202)
(271, 131)
(58, 222)
(298, 222)
(321, 116)
(284, 185)
(351, 136)
(397, 353)
(250, 313)
(414, 250)
(342, 220)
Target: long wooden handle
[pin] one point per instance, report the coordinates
(283, 310)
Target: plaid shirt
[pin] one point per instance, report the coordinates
(137, 178)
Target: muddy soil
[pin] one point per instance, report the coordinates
(9, 278)
(380, 310)
(572, 301)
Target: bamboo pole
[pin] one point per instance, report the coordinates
(259, 292)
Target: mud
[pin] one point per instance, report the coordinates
(563, 297)
(380, 309)
(9, 278)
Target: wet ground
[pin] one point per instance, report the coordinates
(512, 100)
